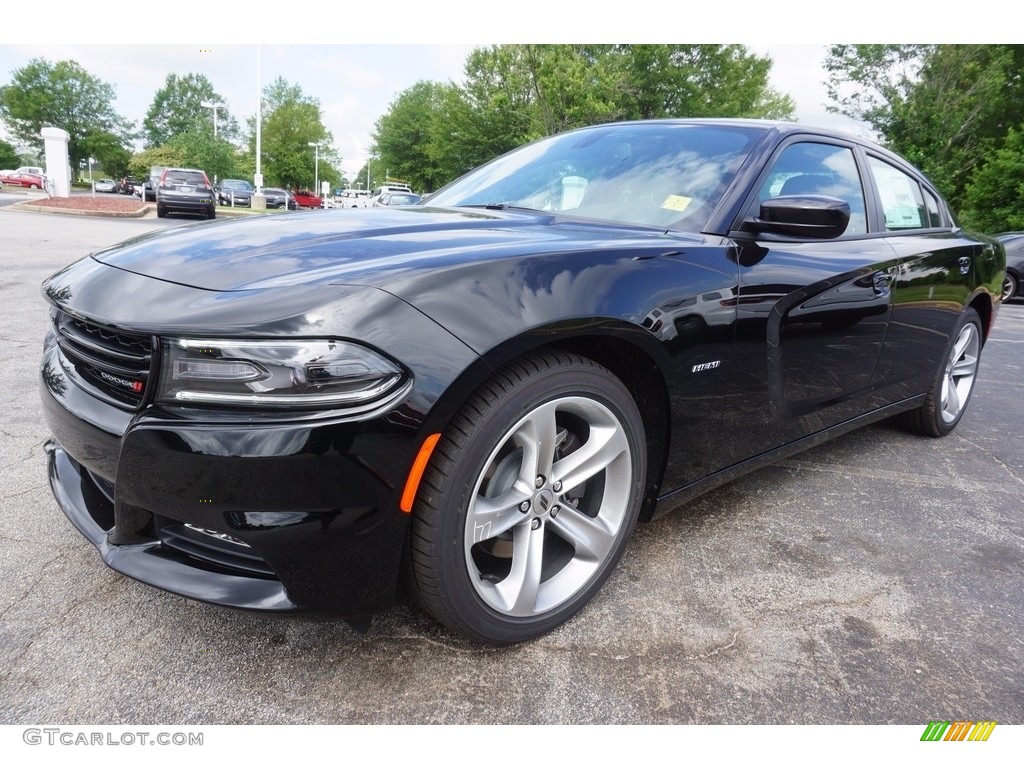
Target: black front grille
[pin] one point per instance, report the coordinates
(116, 363)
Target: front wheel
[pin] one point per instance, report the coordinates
(954, 382)
(529, 499)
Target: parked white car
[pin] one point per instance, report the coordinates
(106, 185)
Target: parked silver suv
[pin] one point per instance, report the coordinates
(185, 190)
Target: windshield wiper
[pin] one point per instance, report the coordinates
(502, 207)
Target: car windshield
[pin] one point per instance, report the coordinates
(663, 175)
(236, 184)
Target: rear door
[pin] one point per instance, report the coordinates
(938, 271)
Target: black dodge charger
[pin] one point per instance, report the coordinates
(487, 391)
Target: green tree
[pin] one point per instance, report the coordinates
(62, 95)
(489, 115)
(659, 81)
(402, 136)
(8, 156)
(513, 94)
(109, 151)
(199, 149)
(872, 83)
(165, 157)
(994, 201)
(178, 108)
(291, 122)
(946, 108)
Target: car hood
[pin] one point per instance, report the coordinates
(361, 246)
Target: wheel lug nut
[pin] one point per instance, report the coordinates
(557, 486)
(555, 510)
(540, 481)
(535, 524)
(524, 507)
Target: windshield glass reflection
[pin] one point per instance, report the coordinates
(662, 175)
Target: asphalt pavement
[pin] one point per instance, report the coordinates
(876, 579)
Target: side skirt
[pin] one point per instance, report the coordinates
(672, 501)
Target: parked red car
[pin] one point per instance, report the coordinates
(306, 199)
(30, 180)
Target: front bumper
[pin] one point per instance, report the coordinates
(150, 562)
(239, 202)
(283, 517)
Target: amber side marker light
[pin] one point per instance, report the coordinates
(412, 483)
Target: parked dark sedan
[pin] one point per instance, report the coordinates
(280, 414)
(235, 192)
(1013, 242)
(278, 198)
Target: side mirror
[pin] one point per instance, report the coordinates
(819, 217)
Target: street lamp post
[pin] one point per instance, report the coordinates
(214, 106)
(316, 166)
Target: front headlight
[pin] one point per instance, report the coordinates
(317, 373)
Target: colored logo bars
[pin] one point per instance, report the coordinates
(958, 730)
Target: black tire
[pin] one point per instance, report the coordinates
(477, 561)
(953, 384)
(1009, 287)
(161, 212)
(211, 213)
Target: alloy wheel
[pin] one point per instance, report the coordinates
(548, 507)
(961, 370)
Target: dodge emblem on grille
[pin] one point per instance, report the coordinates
(134, 386)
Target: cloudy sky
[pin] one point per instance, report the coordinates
(356, 59)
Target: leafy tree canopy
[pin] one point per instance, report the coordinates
(291, 122)
(165, 157)
(178, 108)
(109, 152)
(62, 95)
(9, 156)
(199, 149)
(946, 108)
(513, 94)
(994, 201)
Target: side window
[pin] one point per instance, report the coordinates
(932, 204)
(809, 168)
(902, 202)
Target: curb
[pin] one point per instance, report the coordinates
(78, 212)
(148, 210)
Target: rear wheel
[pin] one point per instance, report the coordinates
(529, 500)
(211, 213)
(1009, 287)
(954, 382)
(161, 212)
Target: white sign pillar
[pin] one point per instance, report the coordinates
(58, 172)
